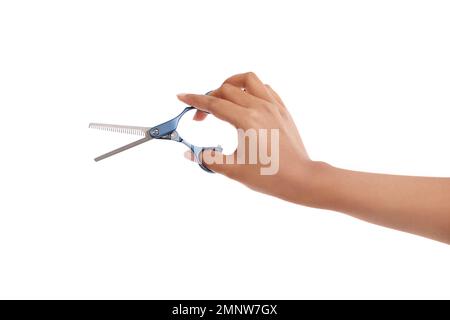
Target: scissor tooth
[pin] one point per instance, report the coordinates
(140, 131)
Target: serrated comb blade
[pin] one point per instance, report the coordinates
(139, 131)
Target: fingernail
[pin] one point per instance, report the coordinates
(182, 95)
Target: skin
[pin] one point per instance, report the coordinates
(418, 205)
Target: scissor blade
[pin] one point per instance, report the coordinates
(126, 147)
(140, 131)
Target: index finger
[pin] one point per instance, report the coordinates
(222, 109)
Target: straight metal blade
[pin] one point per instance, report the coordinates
(126, 147)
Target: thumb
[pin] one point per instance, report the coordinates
(214, 160)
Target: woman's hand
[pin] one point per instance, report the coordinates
(249, 105)
(419, 205)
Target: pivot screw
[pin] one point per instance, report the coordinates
(154, 132)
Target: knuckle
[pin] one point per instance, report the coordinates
(253, 116)
(250, 75)
(267, 105)
(226, 86)
(230, 79)
(212, 102)
(215, 93)
(226, 89)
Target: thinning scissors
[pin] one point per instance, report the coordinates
(164, 131)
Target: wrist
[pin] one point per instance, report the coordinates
(315, 185)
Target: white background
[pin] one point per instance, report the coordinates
(366, 81)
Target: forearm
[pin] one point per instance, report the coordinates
(418, 205)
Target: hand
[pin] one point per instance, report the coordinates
(249, 105)
(420, 205)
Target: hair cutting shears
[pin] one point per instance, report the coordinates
(163, 131)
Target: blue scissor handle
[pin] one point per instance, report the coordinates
(167, 130)
(197, 151)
